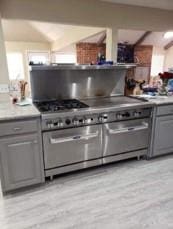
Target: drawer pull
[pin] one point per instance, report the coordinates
(20, 144)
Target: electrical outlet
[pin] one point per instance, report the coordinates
(4, 88)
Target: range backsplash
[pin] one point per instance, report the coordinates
(54, 83)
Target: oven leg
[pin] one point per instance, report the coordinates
(139, 158)
(51, 178)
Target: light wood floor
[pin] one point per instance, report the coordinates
(126, 195)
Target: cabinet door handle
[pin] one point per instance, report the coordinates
(20, 144)
(17, 129)
(23, 143)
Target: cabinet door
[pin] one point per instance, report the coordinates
(21, 162)
(163, 139)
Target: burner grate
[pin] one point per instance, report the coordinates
(59, 105)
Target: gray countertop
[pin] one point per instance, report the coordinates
(158, 100)
(8, 111)
(162, 101)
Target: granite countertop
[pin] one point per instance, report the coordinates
(8, 111)
(165, 100)
(157, 100)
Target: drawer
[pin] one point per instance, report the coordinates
(19, 127)
(165, 110)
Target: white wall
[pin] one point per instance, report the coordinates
(162, 60)
(157, 62)
(3, 62)
(168, 59)
(24, 47)
(69, 49)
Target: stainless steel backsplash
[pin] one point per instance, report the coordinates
(76, 83)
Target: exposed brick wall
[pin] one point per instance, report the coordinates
(88, 52)
(142, 71)
(144, 54)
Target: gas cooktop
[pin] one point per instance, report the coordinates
(61, 114)
(59, 105)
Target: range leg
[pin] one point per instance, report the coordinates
(51, 178)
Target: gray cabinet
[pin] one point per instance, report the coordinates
(162, 131)
(21, 158)
(163, 139)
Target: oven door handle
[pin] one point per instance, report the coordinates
(73, 138)
(129, 129)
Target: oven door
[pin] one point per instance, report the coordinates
(69, 146)
(125, 136)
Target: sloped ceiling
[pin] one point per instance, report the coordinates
(53, 31)
(131, 36)
(93, 39)
(33, 31)
(160, 4)
(49, 30)
(22, 31)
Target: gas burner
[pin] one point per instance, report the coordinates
(59, 105)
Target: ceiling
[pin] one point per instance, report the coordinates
(160, 4)
(33, 31)
(94, 39)
(51, 31)
(21, 31)
(131, 37)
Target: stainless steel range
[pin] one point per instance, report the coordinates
(84, 132)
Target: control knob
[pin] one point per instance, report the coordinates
(127, 115)
(119, 116)
(60, 123)
(68, 121)
(103, 118)
(49, 124)
(137, 113)
(75, 121)
(89, 120)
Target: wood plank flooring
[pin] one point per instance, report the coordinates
(126, 195)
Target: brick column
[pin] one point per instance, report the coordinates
(88, 52)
